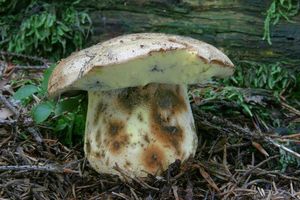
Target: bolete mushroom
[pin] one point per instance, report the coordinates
(139, 115)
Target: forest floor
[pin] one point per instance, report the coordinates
(235, 159)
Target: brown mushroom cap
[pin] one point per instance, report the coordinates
(139, 59)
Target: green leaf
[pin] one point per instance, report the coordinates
(42, 111)
(68, 137)
(61, 124)
(42, 20)
(282, 2)
(50, 21)
(25, 91)
(272, 8)
(79, 125)
(247, 109)
(46, 76)
(67, 105)
(60, 31)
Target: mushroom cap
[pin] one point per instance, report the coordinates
(138, 59)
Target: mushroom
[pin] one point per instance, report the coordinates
(139, 116)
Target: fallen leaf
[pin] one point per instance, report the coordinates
(5, 113)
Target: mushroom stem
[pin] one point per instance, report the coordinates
(141, 129)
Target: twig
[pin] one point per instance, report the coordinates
(175, 193)
(260, 164)
(227, 127)
(283, 148)
(8, 104)
(208, 179)
(261, 172)
(6, 53)
(189, 190)
(121, 195)
(36, 135)
(223, 125)
(297, 135)
(146, 185)
(4, 141)
(134, 194)
(290, 108)
(45, 168)
(255, 182)
(35, 67)
(4, 41)
(232, 146)
(7, 122)
(136, 179)
(217, 102)
(42, 168)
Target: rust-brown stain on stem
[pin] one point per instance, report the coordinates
(168, 103)
(153, 159)
(117, 136)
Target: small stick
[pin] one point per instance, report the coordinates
(224, 125)
(208, 179)
(45, 168)
(215, 121)
(42, 168)
(6, 53)
(175, 192)
(36, 67)
(260, 164)
(121, 195)
(232, 146)
(290, 108)
(7, 122)
(136, 179)
(273, 173)
(134, 194)
(284, 148)
(290, 136)
(5, 141)
(36, 135)
(256, 181)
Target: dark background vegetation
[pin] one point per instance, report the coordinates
(263, 97)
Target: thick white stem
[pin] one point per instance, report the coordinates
(141, 129)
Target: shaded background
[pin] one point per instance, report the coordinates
(235, 26)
